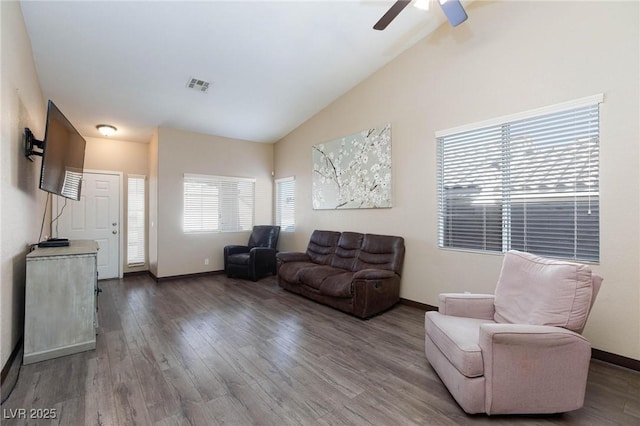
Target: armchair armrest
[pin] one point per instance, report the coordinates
(262, 252)
(235, 249)
(230, 251)
(261, 259)
(527, 335)
(468, 305)
(292, 256)
(553, 361)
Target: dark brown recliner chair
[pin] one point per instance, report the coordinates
(257, 258)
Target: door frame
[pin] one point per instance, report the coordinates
(120, 213)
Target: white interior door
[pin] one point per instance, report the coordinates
(96, 216)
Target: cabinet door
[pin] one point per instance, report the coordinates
(59, 306)
(97, 291)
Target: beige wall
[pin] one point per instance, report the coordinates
(182, 152)
(22, 204)
(509, 57)
(105, 154)
(117, 156)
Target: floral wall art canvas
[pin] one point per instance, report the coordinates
(353, 172)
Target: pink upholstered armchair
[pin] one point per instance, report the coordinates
(520, 350)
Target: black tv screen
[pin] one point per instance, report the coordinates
(63, 156)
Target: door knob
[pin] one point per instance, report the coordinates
(114, 232)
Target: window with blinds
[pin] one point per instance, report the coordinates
(286, 204)
(218, 203)
(135, 220)
(527, 182)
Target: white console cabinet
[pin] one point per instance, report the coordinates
(60, 301)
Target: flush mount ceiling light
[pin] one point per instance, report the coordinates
(106, 129)
(421, 4)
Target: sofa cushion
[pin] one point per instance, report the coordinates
(313, 276)
(322, 245)
(539, 291)
(381, 252)
(457, 338)
(347, 250)
(338, 285)
(290, 271)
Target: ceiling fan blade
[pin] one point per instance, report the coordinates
(454, 12)
(391, 14)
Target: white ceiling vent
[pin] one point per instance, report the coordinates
(197, 84)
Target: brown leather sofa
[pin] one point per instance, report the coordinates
(355, 273)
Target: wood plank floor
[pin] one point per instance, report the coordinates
(213, 351)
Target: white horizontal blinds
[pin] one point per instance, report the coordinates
(554, 184)
(529, 184)
(218, 203)
(286, 203)
(471, 189)
(71, 184)
(236, 204)
(201, 206)
(135, 220)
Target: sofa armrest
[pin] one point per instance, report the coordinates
(373, 274)
(374, 291)
(552, 361)
(468, 305)
(292, 256)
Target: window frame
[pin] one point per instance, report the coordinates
(493, 138)
(278, 208)
(232, 220)
(138, 227)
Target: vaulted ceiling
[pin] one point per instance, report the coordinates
(271, 65)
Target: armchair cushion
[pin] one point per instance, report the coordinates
(457, 338)
(264, 236)
(539, 291)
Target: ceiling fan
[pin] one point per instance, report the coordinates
(452, 9)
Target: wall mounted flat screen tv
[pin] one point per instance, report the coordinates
(62, 156)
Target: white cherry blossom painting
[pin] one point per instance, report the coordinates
(353, 172)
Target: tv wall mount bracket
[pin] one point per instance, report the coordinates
(30, 143)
